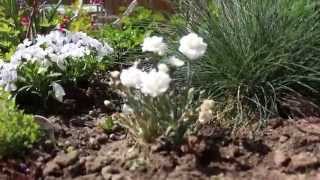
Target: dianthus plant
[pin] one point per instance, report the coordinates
(44, 65)
(155, 105)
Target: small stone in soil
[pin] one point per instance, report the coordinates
(280, 158)
(75, 169)
(113, 137)
(110, 173)
(66, 159)
(119, 177)
(303, 160)
(89, 177)
(102, 139)
(109, 170)
(52, 169)
(93, 143)
(283, 139)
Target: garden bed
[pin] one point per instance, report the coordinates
(217, 90)
(286, 149)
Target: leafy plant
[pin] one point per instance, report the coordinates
(81, 23)
(11, 9)
(108, 124)
(37, 80)
(170, 115)
(259, 52)
(40, 18)
(17, 130)
(156, 105)
(9, 35)
(126, 38)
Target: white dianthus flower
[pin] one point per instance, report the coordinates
(132, 77)
(155, 83)
(154, 44)
(127, 110)
(192, 46)
(175, 62)
(163, 68)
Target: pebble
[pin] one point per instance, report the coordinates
(102, 139)
(280, 158)
(75, 170)
(93, 143)
(107, 103)
(89, 177)
(283, 139)
(303, 159)
(110, 173)
(119, 177)
(67, 143)
(113, 137)
(64, 159)
(51, 168)
(96, 164)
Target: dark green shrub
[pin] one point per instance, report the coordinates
(18, 131)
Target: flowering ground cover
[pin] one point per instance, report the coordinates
(217, 90)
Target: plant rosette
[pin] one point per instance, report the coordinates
(154, 104)
(42, 66)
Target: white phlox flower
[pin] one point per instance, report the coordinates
(58, 91)
(59, 46)
(54, 48)
(8, 76)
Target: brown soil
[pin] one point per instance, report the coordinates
(77, 148)
(286, 149)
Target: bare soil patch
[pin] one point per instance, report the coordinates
(286, 149)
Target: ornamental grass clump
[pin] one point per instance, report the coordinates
(18, 131)
(259, 53)
(41, 67)
(154, 104)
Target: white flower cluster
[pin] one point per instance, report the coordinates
(157, 81)
(8, 76)
(153, 83)
(57, 46)
(191, 45)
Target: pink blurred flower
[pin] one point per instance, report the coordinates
(24, 20)
(96, 2)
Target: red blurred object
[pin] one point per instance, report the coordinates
(64, 23)
(25, 20)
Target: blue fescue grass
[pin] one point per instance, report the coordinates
(259, 51)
